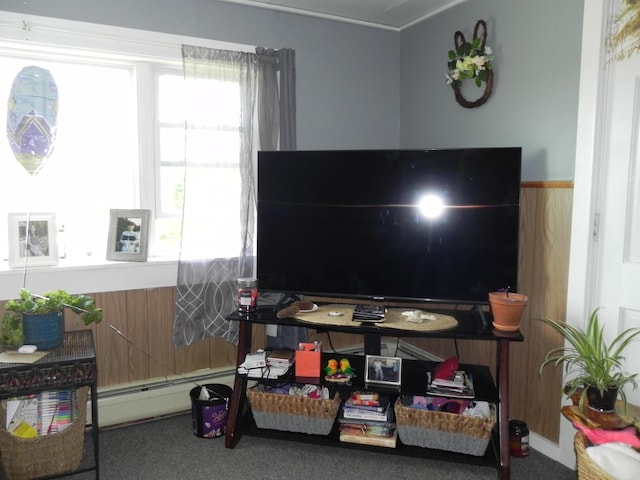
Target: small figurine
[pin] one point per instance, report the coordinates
(345, 367)
(339, 372)
(332, 367)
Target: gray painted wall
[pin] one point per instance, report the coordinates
(347, 75)
(535, 96)
(373, 88)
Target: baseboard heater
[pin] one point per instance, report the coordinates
(151, 399)
(155, 398)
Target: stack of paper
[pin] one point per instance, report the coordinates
(262, 365)
(42, 414)
(447, 380)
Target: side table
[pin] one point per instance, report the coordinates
(71, 365)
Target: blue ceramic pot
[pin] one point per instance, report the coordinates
(45, 331)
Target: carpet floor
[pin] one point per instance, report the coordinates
(167, 449)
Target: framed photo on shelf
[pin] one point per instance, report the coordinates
(128, 235)
(32, 240)
(383, 370)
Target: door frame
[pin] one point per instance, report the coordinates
(588, 189)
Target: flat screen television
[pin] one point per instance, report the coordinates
(431, 225)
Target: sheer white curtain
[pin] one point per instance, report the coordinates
(206, 284)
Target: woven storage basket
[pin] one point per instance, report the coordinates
(29, 458)
(293, 413)
(442, 430)
(587, 468)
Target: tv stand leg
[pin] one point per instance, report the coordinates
(372, 344)
(503, 408)
(238, 397)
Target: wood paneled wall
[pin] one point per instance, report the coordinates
(145, 317)
(545, 226)
(544, 268)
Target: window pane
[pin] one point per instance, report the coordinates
(170, 92)
(94, 162)
(172, 190)
(213, 147)
(213, 144)
(218, 191)
(218, 102)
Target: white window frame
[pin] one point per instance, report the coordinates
(27, 33)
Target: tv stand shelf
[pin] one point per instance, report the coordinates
(471, 326)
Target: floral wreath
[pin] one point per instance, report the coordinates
(471, 61)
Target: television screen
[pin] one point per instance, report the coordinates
(435, 225)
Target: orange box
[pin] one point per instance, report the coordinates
(308, 360)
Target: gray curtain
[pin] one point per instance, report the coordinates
(206, 287)
(287, 83)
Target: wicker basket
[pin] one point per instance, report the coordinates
(28, 458)
(293, 413)
(442, 430)
(587, 468)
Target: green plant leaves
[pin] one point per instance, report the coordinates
(55, 301)
(590, 360)
(11, 332)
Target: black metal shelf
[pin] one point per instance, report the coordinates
(471, 326)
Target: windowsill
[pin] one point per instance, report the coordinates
(94, 277)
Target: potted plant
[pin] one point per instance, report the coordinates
(507, 308)
(592, 367)
(38, 319)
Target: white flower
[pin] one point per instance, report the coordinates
(466, 67)
(479, 61)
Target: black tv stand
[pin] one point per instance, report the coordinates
(471, 326)
(371, 343)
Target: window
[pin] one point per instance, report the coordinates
(94, 161)
(216, 174)
(120, 144)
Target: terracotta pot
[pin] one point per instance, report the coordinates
(507, 309)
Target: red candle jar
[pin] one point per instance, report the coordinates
(247, 295)
(518, 438)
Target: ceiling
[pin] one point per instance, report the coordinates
(391, 14)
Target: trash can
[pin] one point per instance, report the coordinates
(209, 415)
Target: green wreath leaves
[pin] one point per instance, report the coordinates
(471, 61)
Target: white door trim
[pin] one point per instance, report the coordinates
(587, 188)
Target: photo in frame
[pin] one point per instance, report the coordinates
(383, 370)
(32, 240)
(128, 235)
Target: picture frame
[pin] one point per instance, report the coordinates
(383, 370)
(128, 235)
(32, 240)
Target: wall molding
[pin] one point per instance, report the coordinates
(548, 184)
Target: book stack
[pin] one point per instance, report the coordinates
(367, 418)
